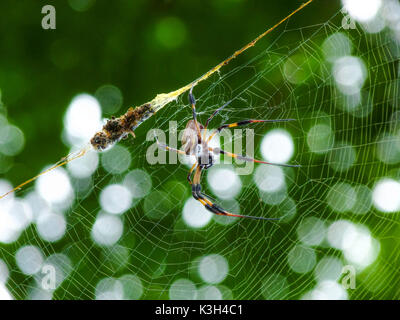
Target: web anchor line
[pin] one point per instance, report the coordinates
(119, 128)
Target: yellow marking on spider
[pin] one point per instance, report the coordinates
(202, 201)
(211, 136)
(231, 154)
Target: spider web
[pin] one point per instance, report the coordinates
(331, 215)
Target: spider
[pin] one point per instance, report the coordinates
(194, 143)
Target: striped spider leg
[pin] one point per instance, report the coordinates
(196, 145)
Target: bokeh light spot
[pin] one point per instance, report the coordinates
(107, 229)
(337, 45)
(213, 268)
(29, 259)
(116, 160)
(328, 290)
(350, 74)
(109, 289)
(362, 249)
(13, 140)
(170, 32)
(84, 167)
(4, 293)
(51, 227)
(301, 259)
(339, 233)
(224, 182)
(362, 10)
(387, 148)
(386, 195)
(138, 182)
(132, 286)
(183, 289)
(82, 119)
(298, 68)
(320, 138)
(311, 231)
(341, 197)
(342, 157)
(4, 273)
(208, 292)
(273, 198)
(55, 186)
(269, 178)
(277, 146)
(195, 214)
(328, 268)
(115, 199)
(274, 287)
(110, 98)
(364, 200)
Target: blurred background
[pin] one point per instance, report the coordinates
(114, 226)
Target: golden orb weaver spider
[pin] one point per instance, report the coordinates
(195, 144)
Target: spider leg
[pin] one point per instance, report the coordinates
(192, 101)
(209, 205)
(243, 123)
(166, 147)
(190, 173)
(248, 159)
(212, 116)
